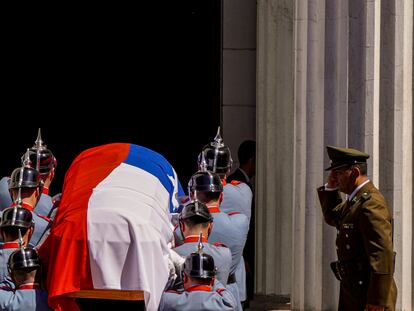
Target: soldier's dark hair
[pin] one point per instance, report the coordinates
(207, 197)
(25, 192)
(196, 220)
(363, 168)
(246, 151)
(202, 281)
(13, 232)
(24, 274)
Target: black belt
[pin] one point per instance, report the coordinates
(231, 279)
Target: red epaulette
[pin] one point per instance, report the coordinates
(235, 182)
(219, 290)
(45, 218)
(219, 244)
(233, 213)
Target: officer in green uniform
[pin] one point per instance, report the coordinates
(364, 244)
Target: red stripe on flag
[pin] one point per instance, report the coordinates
(66, 249)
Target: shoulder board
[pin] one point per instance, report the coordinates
(219, 290)
(235, 182)
(219, 244)
(44, 217)
(233, 213)
(365, 196)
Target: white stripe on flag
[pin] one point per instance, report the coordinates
(128, 231)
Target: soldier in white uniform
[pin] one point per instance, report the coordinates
(194, 219)
(237, 196)
(24, 267)
(201, 291)
(13, 220)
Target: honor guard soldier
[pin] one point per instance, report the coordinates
(201, 291)
(364, 244)
(25, 182)
(246, 154)
(13, 220)
(24, 268)
(230, 229)
(44, 161)
(195, 219)
(237, 196)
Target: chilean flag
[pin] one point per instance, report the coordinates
(112, 228)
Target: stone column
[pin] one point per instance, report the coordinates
(275, 116)
(299, 158)
(335, 121)
(312, 253)
(396, 150)
(329, 72)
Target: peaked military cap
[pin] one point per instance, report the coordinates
(345, 156)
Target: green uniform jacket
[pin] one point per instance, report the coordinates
(364, 246)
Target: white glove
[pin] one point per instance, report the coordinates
(175, 262)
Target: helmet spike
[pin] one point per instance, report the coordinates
(218, 141)
(39, 142)
(200, 245)
(203, 164)
(26, 159)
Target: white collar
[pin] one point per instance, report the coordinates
(357, 189)
(245, 175)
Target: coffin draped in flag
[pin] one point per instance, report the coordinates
(113, 225)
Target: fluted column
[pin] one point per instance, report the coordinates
(275, 116)
(298, 217)
(315, 88)
(330, 72)
(335, 121)
(396, 150)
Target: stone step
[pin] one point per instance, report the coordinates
(269, 303)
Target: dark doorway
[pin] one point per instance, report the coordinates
(156, 66)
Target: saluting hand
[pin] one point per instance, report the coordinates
(332, 180)
(374, 308)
